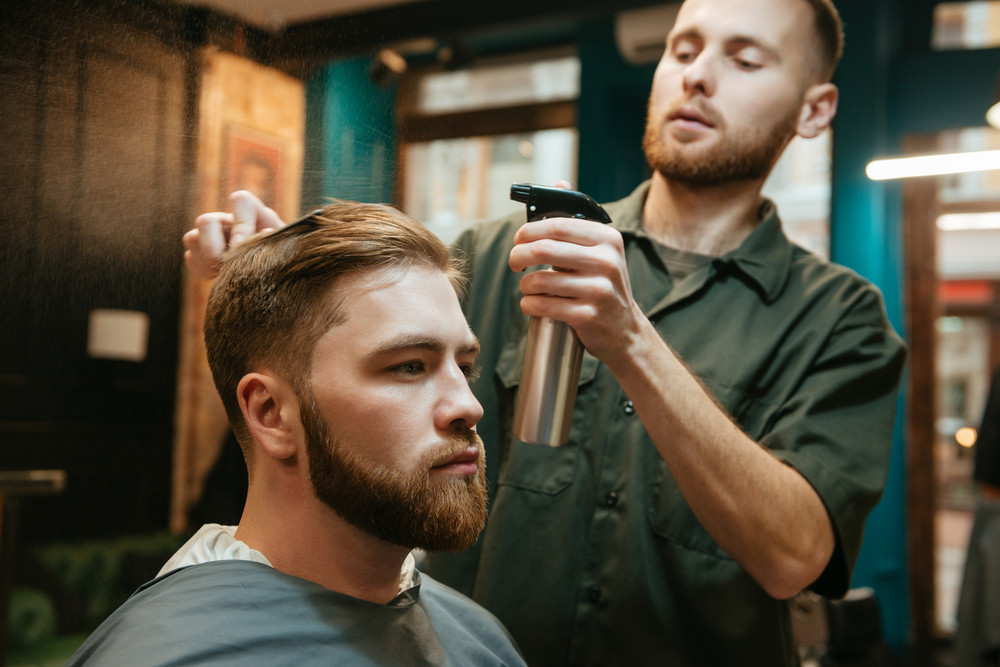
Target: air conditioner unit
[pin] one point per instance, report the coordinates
(642, 33)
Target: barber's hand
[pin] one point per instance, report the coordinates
(591, 292)
(214, 233)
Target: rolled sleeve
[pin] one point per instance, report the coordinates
(837, 429)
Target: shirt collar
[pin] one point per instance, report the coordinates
(407, 575)
(764, 257)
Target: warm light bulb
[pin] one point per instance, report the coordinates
(966, 436)
(993, 115)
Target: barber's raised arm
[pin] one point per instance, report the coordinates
(216, 232)
(759, 510)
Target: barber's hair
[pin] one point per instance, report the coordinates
(276, 294)
(830, 30)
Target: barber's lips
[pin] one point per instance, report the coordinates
(465, 462)
(690, 118)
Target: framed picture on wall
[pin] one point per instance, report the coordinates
(254, 161)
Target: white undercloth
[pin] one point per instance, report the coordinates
(214, 542)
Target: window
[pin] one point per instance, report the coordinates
(966, 25)
(467, 135)
(800, 186)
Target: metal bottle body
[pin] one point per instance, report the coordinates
(543, 410)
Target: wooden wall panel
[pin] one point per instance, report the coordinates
(238, 99)
(920, 206)
(95, 199)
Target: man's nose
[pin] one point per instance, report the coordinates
(458, 405)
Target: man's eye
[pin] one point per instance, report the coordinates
(409, 368)
(747, 65)
(471, 372)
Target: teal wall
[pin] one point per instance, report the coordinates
(611, 115)
(890, 84)
(350, 148)
(865, 234)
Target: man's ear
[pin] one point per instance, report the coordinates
(271, 410)
(818, 109)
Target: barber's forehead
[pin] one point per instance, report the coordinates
(729, 11)
(768, 21)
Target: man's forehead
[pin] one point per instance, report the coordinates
(415, 305)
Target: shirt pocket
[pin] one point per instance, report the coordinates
(538, 468)
(669, 514)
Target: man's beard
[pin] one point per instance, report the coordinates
(407, 508)
(749, 156)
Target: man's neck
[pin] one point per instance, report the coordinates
(307, 539)
(711, 220)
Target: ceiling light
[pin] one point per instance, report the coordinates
(952, 222)
(933, 165)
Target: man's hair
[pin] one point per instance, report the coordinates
(276, 295)
(830, 30)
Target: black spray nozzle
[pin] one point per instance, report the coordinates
(546, 202)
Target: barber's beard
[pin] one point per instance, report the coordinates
(747, 156)
(407, 508)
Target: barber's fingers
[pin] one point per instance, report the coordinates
(568, 243)
(205, 244)
(250, 216)
(214, 233)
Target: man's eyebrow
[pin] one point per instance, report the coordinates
(420, 342)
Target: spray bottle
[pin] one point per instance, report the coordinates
(552, 357)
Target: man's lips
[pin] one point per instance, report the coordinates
(463, 462)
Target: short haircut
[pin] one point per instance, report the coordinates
(830, 30)
(275, 295)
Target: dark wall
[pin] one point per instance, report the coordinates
(611, 115)
(95, 127)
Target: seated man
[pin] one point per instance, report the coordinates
(343, 359)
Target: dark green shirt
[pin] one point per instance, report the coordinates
(591, 555)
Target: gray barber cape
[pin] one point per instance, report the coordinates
(244, 613)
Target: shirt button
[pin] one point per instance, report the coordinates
(594, 594)
(628, 408)
(611, 499)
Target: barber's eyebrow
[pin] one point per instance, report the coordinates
(746, 40)
(732, 40)
(420, 342)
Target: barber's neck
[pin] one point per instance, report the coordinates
(711, 220)
(301, 536)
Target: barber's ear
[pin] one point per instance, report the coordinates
(271, 410)
(818, 109)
